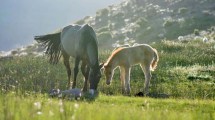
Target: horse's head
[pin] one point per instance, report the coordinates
(108, 71)
(94, 76)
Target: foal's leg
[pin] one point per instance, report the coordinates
(67, 65)
(77, 61)
(147, 73)
(122, 78)
(127, 80)
(85, 71)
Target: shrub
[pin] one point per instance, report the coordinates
(182, 10)
(103, 29)
(168, 23)
(80, 22)
(196, 32)
(102, 12)
(142, 22)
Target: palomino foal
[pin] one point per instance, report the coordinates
(125, 57)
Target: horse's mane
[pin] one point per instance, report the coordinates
(113, 55)
(90, 36)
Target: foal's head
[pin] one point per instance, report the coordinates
(108, 71)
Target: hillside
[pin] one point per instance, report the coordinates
(147, 21)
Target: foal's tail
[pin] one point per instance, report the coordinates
(52, 43)
(155, 60)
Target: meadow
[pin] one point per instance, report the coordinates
(185, 72)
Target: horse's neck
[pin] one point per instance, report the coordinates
(114, 63)
(92, 55)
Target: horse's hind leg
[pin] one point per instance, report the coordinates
(85, 71)
(77, 61)
(67, 65)
(147, 73)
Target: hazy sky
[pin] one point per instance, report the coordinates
(20, 20)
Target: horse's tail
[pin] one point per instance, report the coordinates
(52, 43)
(155, 60)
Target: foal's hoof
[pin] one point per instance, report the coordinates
(139, 94)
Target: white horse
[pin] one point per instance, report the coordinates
(125, 57)
(79, 42)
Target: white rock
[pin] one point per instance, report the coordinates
(76, 92)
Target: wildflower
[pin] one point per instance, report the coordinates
(39, 113)
(76, 105)
(51, 113)
(37, 105)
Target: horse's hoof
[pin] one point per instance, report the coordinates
(54, 92)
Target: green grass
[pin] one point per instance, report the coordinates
(104, 107)
(186, 72)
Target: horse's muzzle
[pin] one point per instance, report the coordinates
(107, 82)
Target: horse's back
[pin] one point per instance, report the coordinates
(72, 38)
(137, 53)
(69, 39)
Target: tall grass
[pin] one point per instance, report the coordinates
(185, 70)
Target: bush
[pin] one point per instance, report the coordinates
(142, 22)
(168, 23)
(102, 12)
(196, 32)
(80, 22)
(182, 10)
(103, 29)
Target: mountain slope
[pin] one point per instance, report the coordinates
(146, 21)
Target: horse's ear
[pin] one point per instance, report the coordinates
(101, 65)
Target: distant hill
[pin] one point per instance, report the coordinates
(146, 21)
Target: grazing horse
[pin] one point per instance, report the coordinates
(125, 57)
(77, 41)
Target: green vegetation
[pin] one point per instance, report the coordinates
(37, 106)
(182, 10)
(144, 21)
(186, 72)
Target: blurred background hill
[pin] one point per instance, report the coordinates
(146, 21)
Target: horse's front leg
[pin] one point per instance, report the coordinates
(67, 65)
(122, 78)
(77, 61)
(127, 80)
(85, 71)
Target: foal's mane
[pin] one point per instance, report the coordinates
(114, 53)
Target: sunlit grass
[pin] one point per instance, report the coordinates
(185, 72)
(104, 107)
